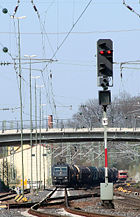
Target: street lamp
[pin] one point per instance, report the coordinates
(20, 92)
(31, 144)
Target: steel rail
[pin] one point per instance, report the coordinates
(33, 210)
(81, 212)
(65, 204)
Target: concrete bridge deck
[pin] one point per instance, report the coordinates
(56, 135)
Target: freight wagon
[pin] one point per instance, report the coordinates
(64, 175)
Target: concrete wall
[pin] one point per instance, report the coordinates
(45, 167)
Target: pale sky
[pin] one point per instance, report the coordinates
(72, 79)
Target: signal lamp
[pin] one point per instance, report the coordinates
(109, 52)
(102, 52)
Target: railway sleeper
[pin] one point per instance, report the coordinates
(108, 204)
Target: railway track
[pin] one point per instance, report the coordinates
(53, 205)
(10, 195)
(63, 202)
(128, 201)
(7, 196)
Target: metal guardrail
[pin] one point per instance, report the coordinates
(16, 125)
(57, 124)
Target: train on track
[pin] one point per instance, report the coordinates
(122, 175)
(64, 175)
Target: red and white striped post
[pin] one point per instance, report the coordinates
(106, 189)
(105, 123)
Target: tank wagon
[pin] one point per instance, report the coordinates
(64, 175)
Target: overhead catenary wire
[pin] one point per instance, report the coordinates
(50, 92)
(43, 29)
(35, 8)
(16, 8)
(42, 26)
(74, 33)
(58, 48)
(123, 65)
(38, 15)
(131, 9)
(73, 12)
(17, 38)
(57, 23)
(7, 109)
(38, 61)
(50, 5)
(53, 96)
(14, 63)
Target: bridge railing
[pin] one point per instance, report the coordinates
(16, 124)
(57, 123)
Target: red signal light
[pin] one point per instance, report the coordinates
(101, 52)
(109, 52)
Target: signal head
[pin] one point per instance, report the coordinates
(104, 58)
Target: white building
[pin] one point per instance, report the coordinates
(41, 163)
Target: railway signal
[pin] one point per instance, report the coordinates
(104, 76)
(104, 62)
(104, 97)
